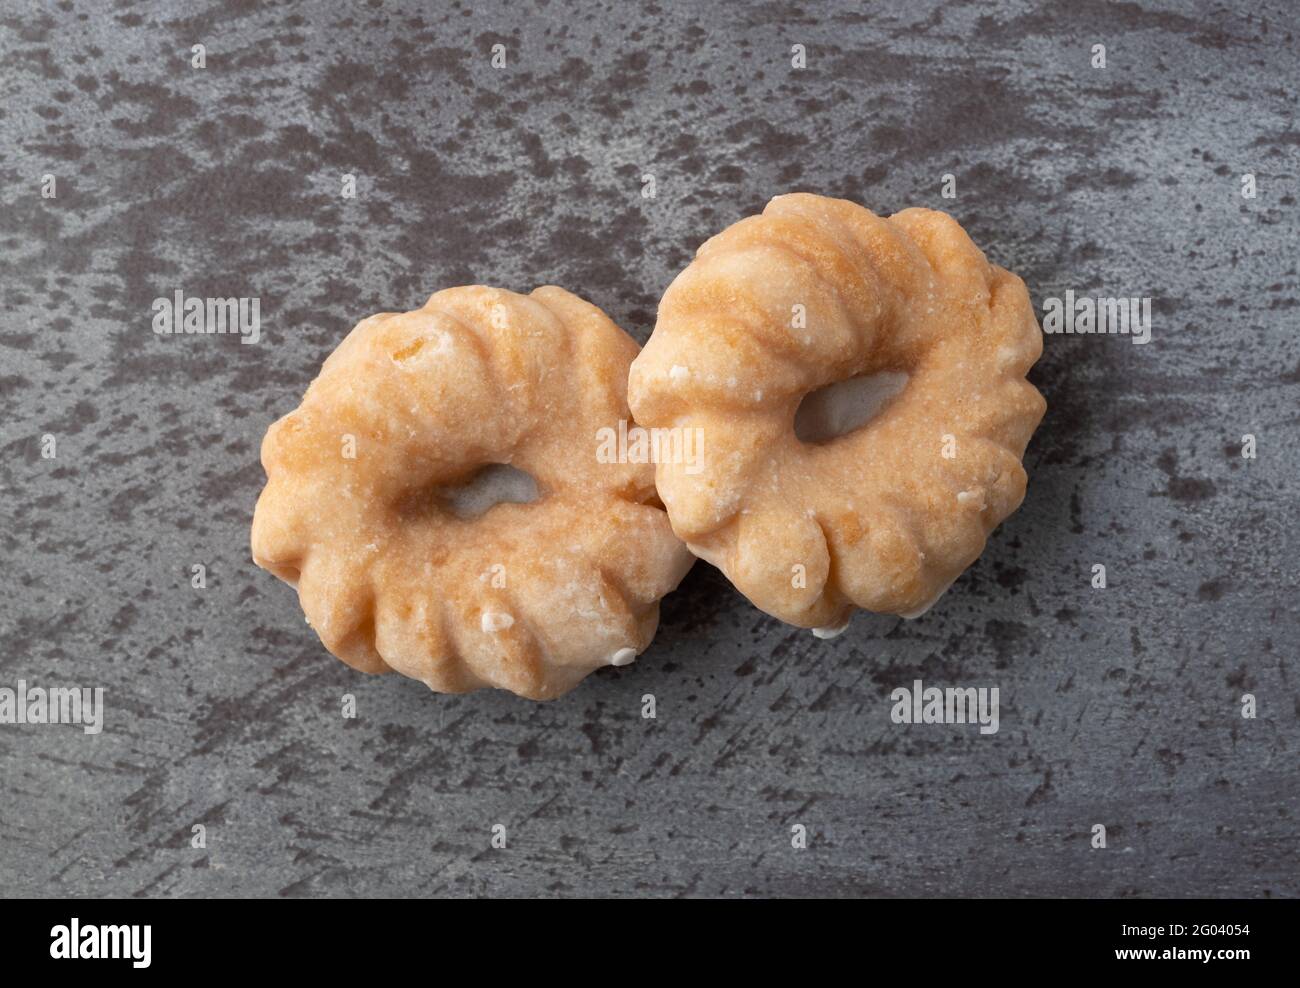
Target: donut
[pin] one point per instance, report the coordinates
(859, 387)
(438, 503)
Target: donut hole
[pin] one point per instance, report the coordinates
(496, 483)
(846, 406)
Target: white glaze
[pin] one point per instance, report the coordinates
(494, 621)
(835, 632)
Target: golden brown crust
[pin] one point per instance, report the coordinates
(879, 518)
(526, 597)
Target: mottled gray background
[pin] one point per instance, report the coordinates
(1118, 706)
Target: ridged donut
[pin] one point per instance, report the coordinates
(812, 292)
(528, 597)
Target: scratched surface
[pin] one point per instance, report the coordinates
(1119, 707)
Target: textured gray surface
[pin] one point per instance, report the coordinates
(1119, 706)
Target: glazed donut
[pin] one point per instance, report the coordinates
(377, 485)
(810, 294)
